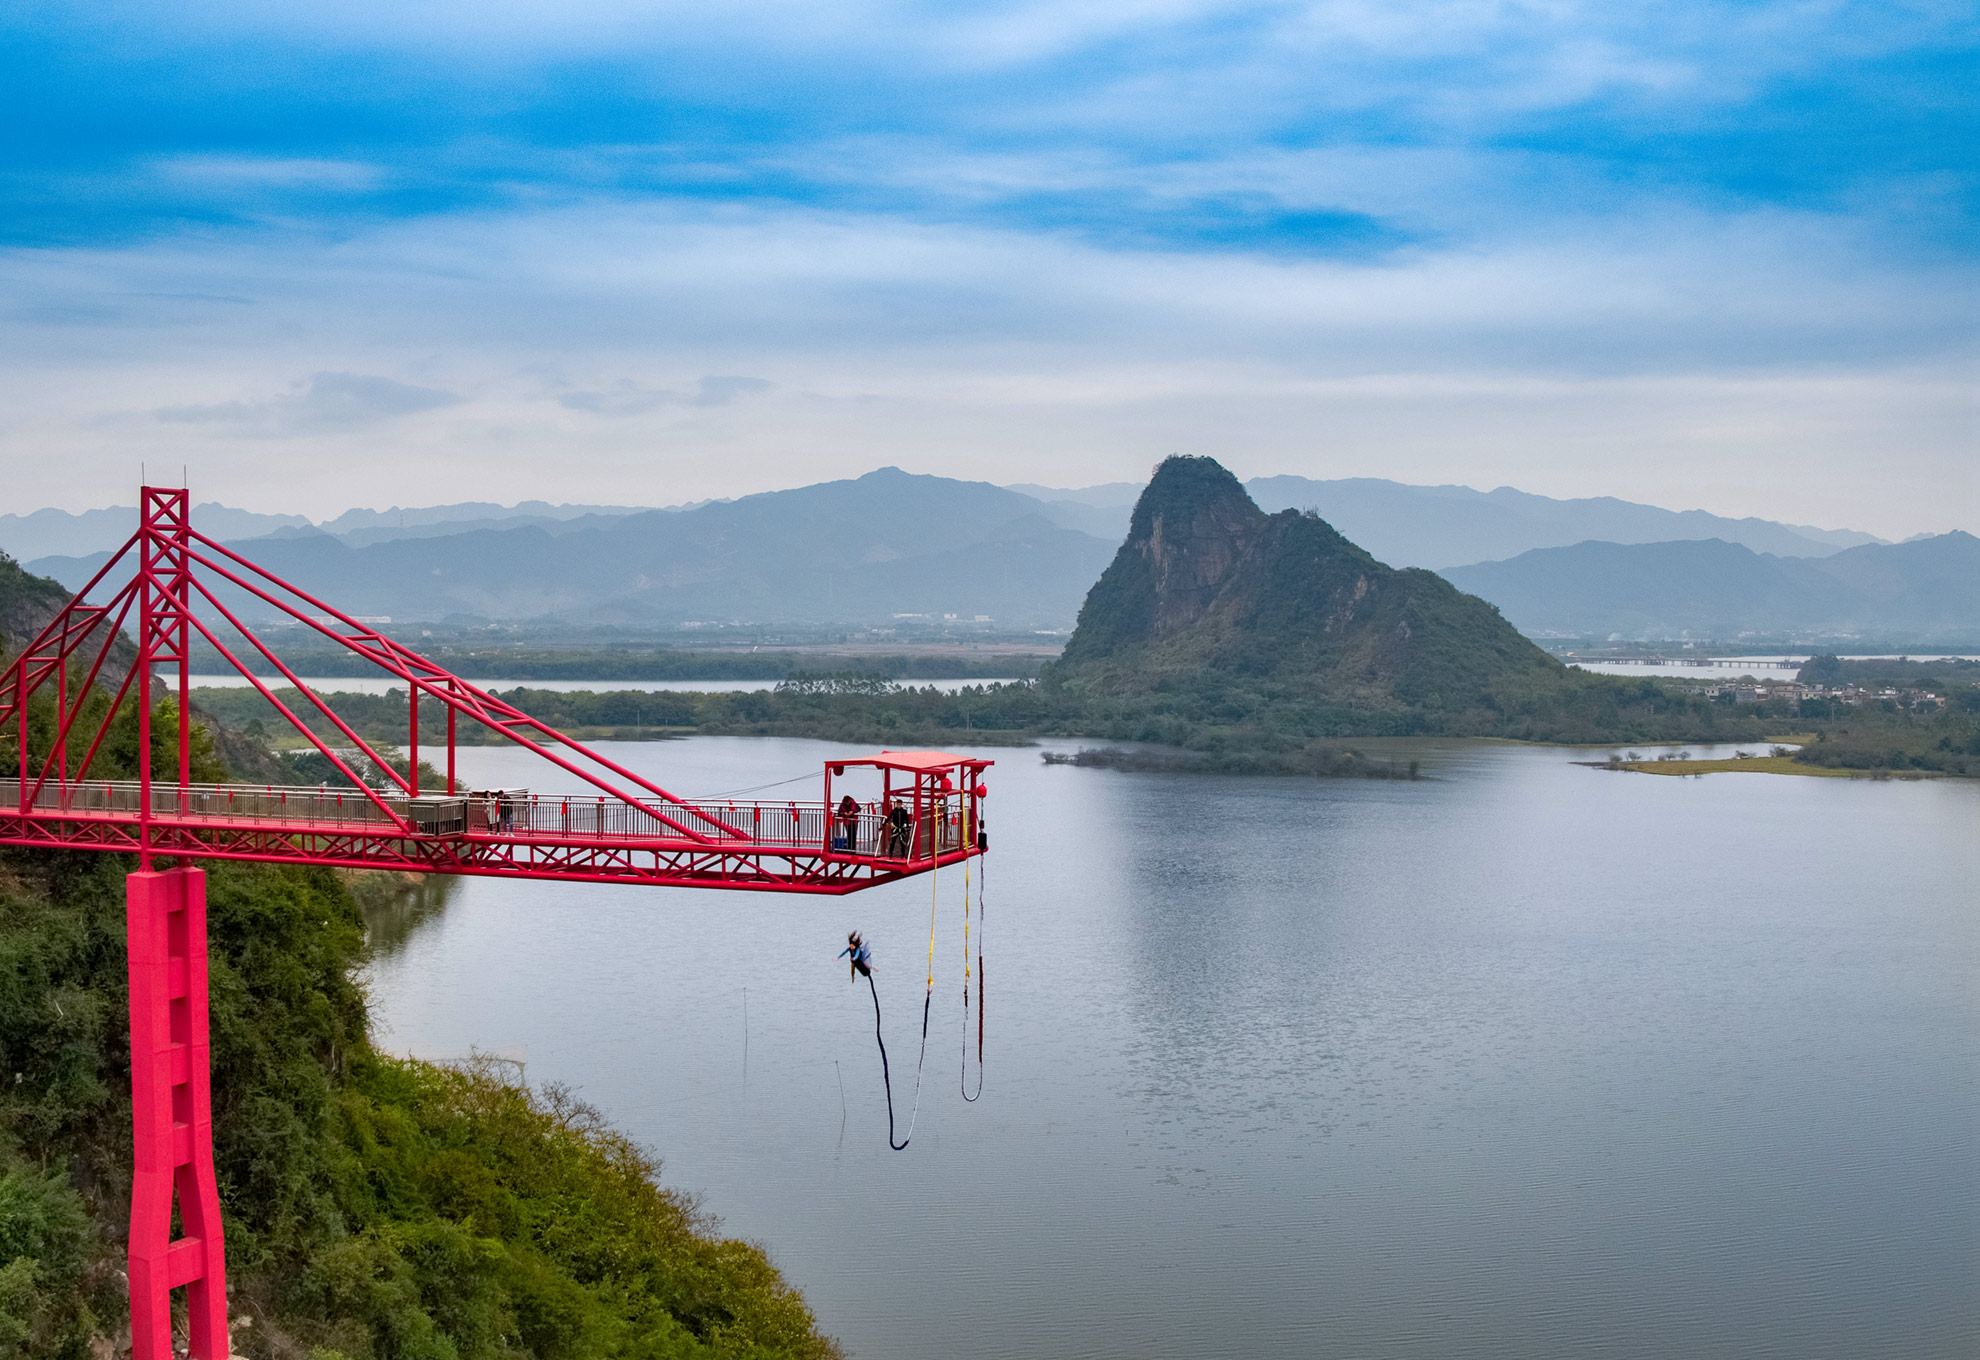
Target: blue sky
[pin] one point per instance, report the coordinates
(1720, 255)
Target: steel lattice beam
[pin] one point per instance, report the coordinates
(639, 833)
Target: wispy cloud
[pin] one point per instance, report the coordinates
(720, 390)
(221, 172)
(628, 398)
(320, 403)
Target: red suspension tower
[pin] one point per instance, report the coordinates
(622, 829)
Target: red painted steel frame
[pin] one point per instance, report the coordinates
(655, 838)
(172, 1119)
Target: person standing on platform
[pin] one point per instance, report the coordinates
(848, 838)
(900, 829)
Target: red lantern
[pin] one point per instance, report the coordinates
(982, 790)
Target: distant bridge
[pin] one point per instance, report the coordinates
(1733, 663)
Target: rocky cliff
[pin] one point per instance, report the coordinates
(1210, 591)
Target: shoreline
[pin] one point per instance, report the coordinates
(1758, 765)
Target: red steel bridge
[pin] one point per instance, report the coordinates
(920, 810)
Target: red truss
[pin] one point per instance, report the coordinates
(621, 829)
(625, 830)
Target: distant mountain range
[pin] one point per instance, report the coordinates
(1402, 525)
(58, 533)
(864, 550)
(1924, 590)
(1449, 526)
(858, 551)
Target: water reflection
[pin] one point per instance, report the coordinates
(1522, 1060)
(397, 906)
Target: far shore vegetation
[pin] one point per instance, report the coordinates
(954, 662)
(1222, 727)
(1316, 759)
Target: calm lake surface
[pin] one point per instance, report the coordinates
(1525, 1060)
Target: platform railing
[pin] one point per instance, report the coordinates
(222, 802)
(787, 824)
(875, 835)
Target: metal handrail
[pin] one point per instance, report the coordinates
(788, 824)
(242, 802)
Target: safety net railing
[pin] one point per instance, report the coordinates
(789, 823)
(227, 802)
(585, 815)
(872, 831)
(519, 813)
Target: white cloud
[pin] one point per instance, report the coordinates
(320, 402)
(1766, 363)
(624, 397)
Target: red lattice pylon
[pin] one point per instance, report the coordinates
(172, 1119)
(628, 830)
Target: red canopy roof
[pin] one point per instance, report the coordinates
(918, 760)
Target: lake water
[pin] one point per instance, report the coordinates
(1525, 1060)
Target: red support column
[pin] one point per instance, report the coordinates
(21, 729)
(172, 1120)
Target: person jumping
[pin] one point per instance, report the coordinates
(862, 959)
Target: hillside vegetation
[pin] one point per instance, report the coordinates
(375, 1209)
(27, 602)
(1896, 728)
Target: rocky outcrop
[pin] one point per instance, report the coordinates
(1208, 586)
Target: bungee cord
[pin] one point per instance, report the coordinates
(927, 1005)
(963, 1076)
(967, 838)
(885, 1080)
(755, 788)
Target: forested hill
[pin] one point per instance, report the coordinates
(27, 603)
(1210, 592)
